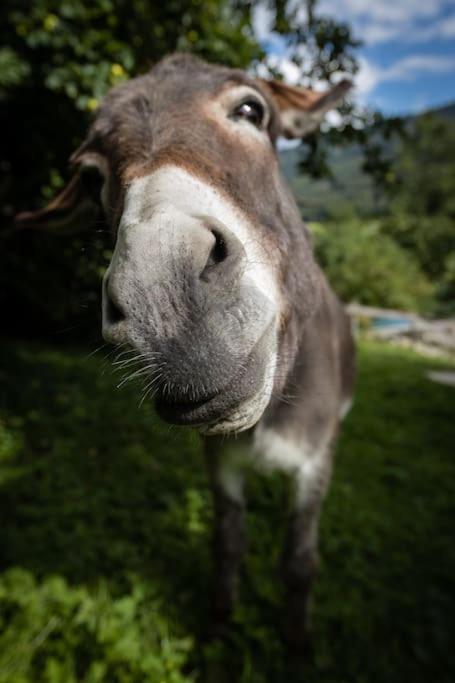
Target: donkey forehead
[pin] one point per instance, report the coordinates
(182, 77)
(147, 113)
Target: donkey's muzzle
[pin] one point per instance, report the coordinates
(162, 277)
(177, 292)
(213, 395)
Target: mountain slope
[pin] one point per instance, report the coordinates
(349, 190)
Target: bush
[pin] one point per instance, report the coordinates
(367, 266)
(446, 287)
(58, 59)
(51, 632)
(430, 240)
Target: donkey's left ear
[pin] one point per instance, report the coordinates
(77, 206)
(301, 109)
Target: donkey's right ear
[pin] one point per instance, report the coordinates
(78, 205)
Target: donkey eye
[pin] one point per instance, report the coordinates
(251, 110)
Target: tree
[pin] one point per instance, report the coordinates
(366, 266)
(62, 56)
(58, 59)
(422, 190)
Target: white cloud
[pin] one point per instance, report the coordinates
(370, 75)
(411, 67)
(373, 21)
(262, 21)
(446, 27)
(377, 21)
(367, 77)
(406, 69)
(291, 73)
(333, 119)
(443, 29)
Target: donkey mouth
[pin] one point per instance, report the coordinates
(193, 410)
(193, 413)
(220, 399)
(215, 405)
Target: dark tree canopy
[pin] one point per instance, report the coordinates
(59, 57)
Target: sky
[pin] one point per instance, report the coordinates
(407, 61)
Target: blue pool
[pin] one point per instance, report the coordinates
(391, 323)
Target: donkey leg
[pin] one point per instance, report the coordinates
(299, 567)
(229, 541)
(299, 562)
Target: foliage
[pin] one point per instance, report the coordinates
(319, 45)
(413, 210)
(323, 48)
(422, 212)
(365, 265)
(106, 523)
(13, 70)
(59, 58)
(80, 49)
(56, 633)
(57, 61)
(373, 136)
(51, 285)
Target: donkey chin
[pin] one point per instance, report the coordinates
(229, 407)
(236, 387)
(234, 407)
(215, 407)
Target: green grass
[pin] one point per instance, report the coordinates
(105, 536)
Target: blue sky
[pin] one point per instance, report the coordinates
(408, 57)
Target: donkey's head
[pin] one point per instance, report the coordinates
(212, 272)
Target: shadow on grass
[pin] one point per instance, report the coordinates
(98, 487)
(94, 488)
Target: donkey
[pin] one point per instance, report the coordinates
(213, 282)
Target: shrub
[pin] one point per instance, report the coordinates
(367, 266)
(51, 632)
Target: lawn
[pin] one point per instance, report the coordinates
(105, 535)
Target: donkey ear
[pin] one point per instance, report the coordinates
(77, 206)
(301, 109)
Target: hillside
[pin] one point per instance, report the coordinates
(350, 188)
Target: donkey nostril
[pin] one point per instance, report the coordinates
(225, 255)
(219, 250)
